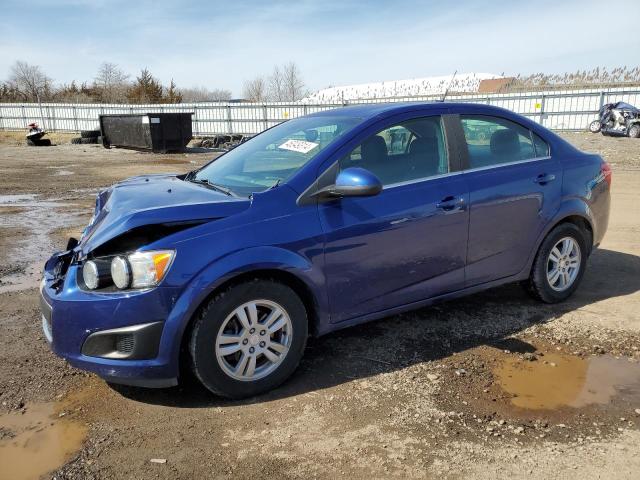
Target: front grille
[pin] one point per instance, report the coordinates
(125, 344)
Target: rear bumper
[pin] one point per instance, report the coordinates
(122, 337)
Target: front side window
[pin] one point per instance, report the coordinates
(493, 141)
(407, 151)
(274, 155)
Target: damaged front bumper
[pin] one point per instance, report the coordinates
(124, 337)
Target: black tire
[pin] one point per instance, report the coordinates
(31, 143)
(211, 318)
(538, 285)
(76, 140)
(88, 141)
(634, 131)
(89, 133)
(43, 142)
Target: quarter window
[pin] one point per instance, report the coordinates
(493, 141)
(542, 148)
(407, 151)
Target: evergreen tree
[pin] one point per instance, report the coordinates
(145, 89)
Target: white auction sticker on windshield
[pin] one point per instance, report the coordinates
(301, 146)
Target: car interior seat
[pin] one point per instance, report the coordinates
(424, 155)
(375, 158)
(504, 146)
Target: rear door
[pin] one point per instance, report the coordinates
(514, 185)
(407, 243)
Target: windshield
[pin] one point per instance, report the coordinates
(273, 156)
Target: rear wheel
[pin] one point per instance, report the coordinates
(595, 126)
(248, 339)
(559, 264)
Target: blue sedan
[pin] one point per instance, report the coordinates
(319, 223)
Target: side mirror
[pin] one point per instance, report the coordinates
(353, 182)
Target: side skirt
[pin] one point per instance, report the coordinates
(422, 303)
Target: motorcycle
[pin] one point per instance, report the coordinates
(617, 119)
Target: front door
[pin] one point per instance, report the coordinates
(409, 242)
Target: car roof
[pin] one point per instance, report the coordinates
(369, 110)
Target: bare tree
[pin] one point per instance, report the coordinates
(286, 84)
(220, 95)
(203, 94)
(294, 86)
(276, 85)
(112, 83)
(29, 81)
(255, 90)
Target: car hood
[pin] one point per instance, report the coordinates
(154, 199)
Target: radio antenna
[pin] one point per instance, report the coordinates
(448, 86)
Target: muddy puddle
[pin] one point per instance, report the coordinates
(36, 219)
(553, 380)
(37, 441)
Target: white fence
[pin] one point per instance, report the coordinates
(558, 110)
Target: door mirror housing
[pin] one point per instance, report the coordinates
(353, 182)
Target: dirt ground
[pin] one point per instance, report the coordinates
(495, 385)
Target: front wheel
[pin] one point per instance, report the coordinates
(248, 339)
(559, 264)
(634, 131)
(595, 126)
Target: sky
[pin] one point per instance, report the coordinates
(334, 42)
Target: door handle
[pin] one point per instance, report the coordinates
(545, 178)
(450, 203)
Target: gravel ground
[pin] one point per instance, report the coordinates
(416, 395)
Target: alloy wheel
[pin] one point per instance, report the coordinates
(254, 340)
(563, 264)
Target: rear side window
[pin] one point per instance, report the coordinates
(493, 141)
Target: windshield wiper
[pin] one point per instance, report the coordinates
(213, 186)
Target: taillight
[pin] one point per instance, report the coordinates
(605, 170)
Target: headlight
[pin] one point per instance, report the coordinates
(95, 274)
(120, 272)
(141, 269)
